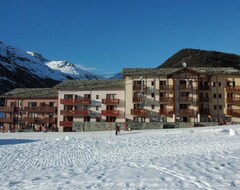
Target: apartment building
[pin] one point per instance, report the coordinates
(90, 101)
(30, 109)
(183, 94)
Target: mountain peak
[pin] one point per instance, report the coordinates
(37, 55)
(202, 58)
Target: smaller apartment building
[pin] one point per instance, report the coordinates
(30, 109)
(90, 101)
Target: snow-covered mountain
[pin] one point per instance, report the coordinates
(30, 69)
(117, 76)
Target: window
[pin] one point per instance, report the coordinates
(215, 107)
(214, 84)
(219, 84)
(97, 96)
(152, 95)
(220, 96)
(214, 95)
(152, 83)
(220, 107)
(153, 107)
(97, 107)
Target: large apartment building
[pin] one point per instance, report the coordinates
(183, 94)
(90, 101)
(143, 95)
(30, 109)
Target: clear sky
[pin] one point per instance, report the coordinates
(105, 36)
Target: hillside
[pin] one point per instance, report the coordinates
(202, 58)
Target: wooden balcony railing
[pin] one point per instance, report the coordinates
(85, 101)
(204, 99)
(186, 112)
(7, 109)
(166, 100)
(50, 120)
(204, 111)
(233, 88)
(111, 113)
(165, 87)
(139, 112)
(137, 87)
(233, 112)
(66, 123)
(6, 119)
(233, 100)
(138, 99)
(203, 87)
(74, 112)
(33, 120)
(166, 112)
(186, 87)
(110, 101)
(41, 109)
(186, 99)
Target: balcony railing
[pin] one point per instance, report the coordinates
(204, 99)
(186, 99)
(66, 123)
(166, 112)
(233, 112)
(6, 119)
(233, 88)
(139, 112)
(50, 120)
(41, 109)
(186, 87)
(233, 100)
(204, 87)
(138, 99)
(166, 100)
(110, 101)
(33, 120)
(75, 101)
(205, 111)
(74, 112)
(7, 109)
(165, 87)
(112, 113)
(137, 87)
(186, 112)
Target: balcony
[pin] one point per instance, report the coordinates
(165, 87)
(166, 100)
(186, 87)
(184, 99)
(233, 88)
(166, 112)
(202, 88)
(33, 120)
(186, 112)
(41, 109)
(233, 100)
(110, 101)
(204, 99)
(6, 119)
(66, 123)
(111, 113)
(233, 112)
(7, 109)
(138, 99)
(50, 120)
(84, 101)
(74, 112)
(139, 112)
(204, 111)
(137, 87)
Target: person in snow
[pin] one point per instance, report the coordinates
(117, 129)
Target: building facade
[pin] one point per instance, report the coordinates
(30, 109)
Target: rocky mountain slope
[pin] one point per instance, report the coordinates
(202, 58)
(29, 69)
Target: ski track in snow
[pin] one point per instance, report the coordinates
(154, 159)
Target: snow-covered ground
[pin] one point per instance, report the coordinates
(194, 158)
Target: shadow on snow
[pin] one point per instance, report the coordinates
(15, 141)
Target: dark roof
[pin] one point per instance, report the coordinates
(90, 84)
(168, 71)
(31, 93)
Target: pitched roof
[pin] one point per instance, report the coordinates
(90, 84)
(31, 93)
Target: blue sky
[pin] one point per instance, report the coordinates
(105, 36)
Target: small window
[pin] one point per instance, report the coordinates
(214, 95)
(152, 95)
(220, 96)
(97, 96)
(152, 83)
(215, 107)
(220, 107)
(153, 107)
(219, 84)
(214, 84)
(97, 107)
